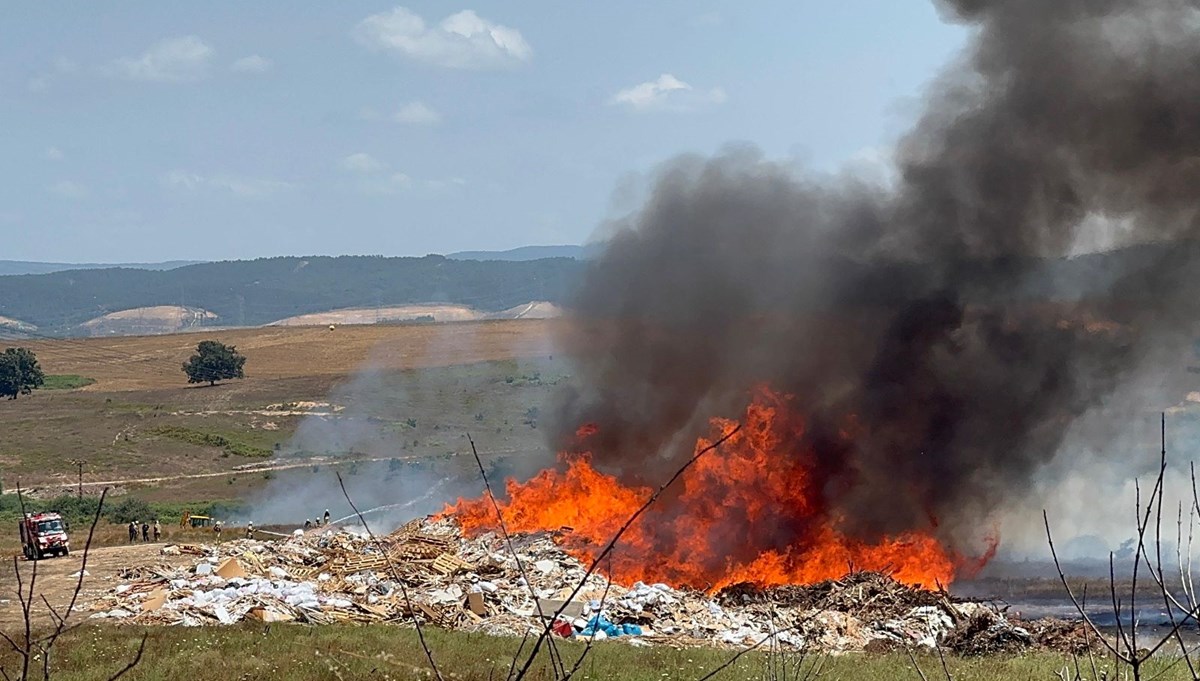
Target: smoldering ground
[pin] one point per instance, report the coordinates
(937, 308)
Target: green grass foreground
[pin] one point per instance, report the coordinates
(66, 382)
(92, 653)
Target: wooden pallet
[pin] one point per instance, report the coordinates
(448, 564)
(363, 564)
(420, 548)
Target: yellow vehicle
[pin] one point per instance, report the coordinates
(190, 520)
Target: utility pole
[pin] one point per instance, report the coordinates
(79, 463)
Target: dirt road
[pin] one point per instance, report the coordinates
(51, 490)
(55, 581)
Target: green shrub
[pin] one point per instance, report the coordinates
(129, 509)
(191, 436)
(243, 449)
(66, 382)
(77, 512)
(203, 439)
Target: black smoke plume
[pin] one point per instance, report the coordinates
(938, 307)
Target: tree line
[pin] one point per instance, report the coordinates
(254, 292)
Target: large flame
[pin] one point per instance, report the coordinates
(750, 511)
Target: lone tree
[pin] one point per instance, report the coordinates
(214, 362)
(19, 373)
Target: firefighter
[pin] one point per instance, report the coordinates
(132, 531)
(146, 532)
(326, 520)
(217, 530)
(307, 524)
(157, 530)
(250, 530)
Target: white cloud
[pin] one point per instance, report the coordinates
(249, 187)
(373, 176)
(54, 154)
(460, 41)
(252, 64)
(238, 186)
(362, 163)
(666, 93)
(68, 189)
(444, 185)
(171, 60)
(62, 67)
(383, 185)
(417, 113)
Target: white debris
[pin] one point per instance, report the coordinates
(474, 584)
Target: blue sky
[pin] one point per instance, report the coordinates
(152, 131)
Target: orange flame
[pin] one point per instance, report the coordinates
(750, 511)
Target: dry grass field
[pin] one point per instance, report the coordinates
(124, 363)
(401, 391)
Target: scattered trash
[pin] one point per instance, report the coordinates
(230, 568)
(476, 584)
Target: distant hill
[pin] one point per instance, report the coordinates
(427, 312)
(24, 267)
(142, 321)
(529, 253)
(255, 292)
(268, 290)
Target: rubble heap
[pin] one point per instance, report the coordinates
(477, 584)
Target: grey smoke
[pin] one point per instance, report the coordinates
(936, 308)
(370, 430)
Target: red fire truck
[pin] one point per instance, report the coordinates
(43, 534)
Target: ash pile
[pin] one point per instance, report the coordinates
(476, 585)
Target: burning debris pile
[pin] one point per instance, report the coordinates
(476, 584)
(935, 335)
(748, 510)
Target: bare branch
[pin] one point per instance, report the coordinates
(1070, 594)
(513, 667)
(87, 551)
(613, 542)
(399, 580)
(587, 649)
(916, 666)
(132, 663)
(555, 657)
(769, 637)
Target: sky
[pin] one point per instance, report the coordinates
(147, 131)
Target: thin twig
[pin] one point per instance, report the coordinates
(396, 576)
(513, 667)
(587, 649)
(545, 632)
(1070, 594)
(945, 669)
(555, 658)
(769, 637)
(1169, 600)
(132, 663)
(916, 666)
(62, 619)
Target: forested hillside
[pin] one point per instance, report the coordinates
(251, 292)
